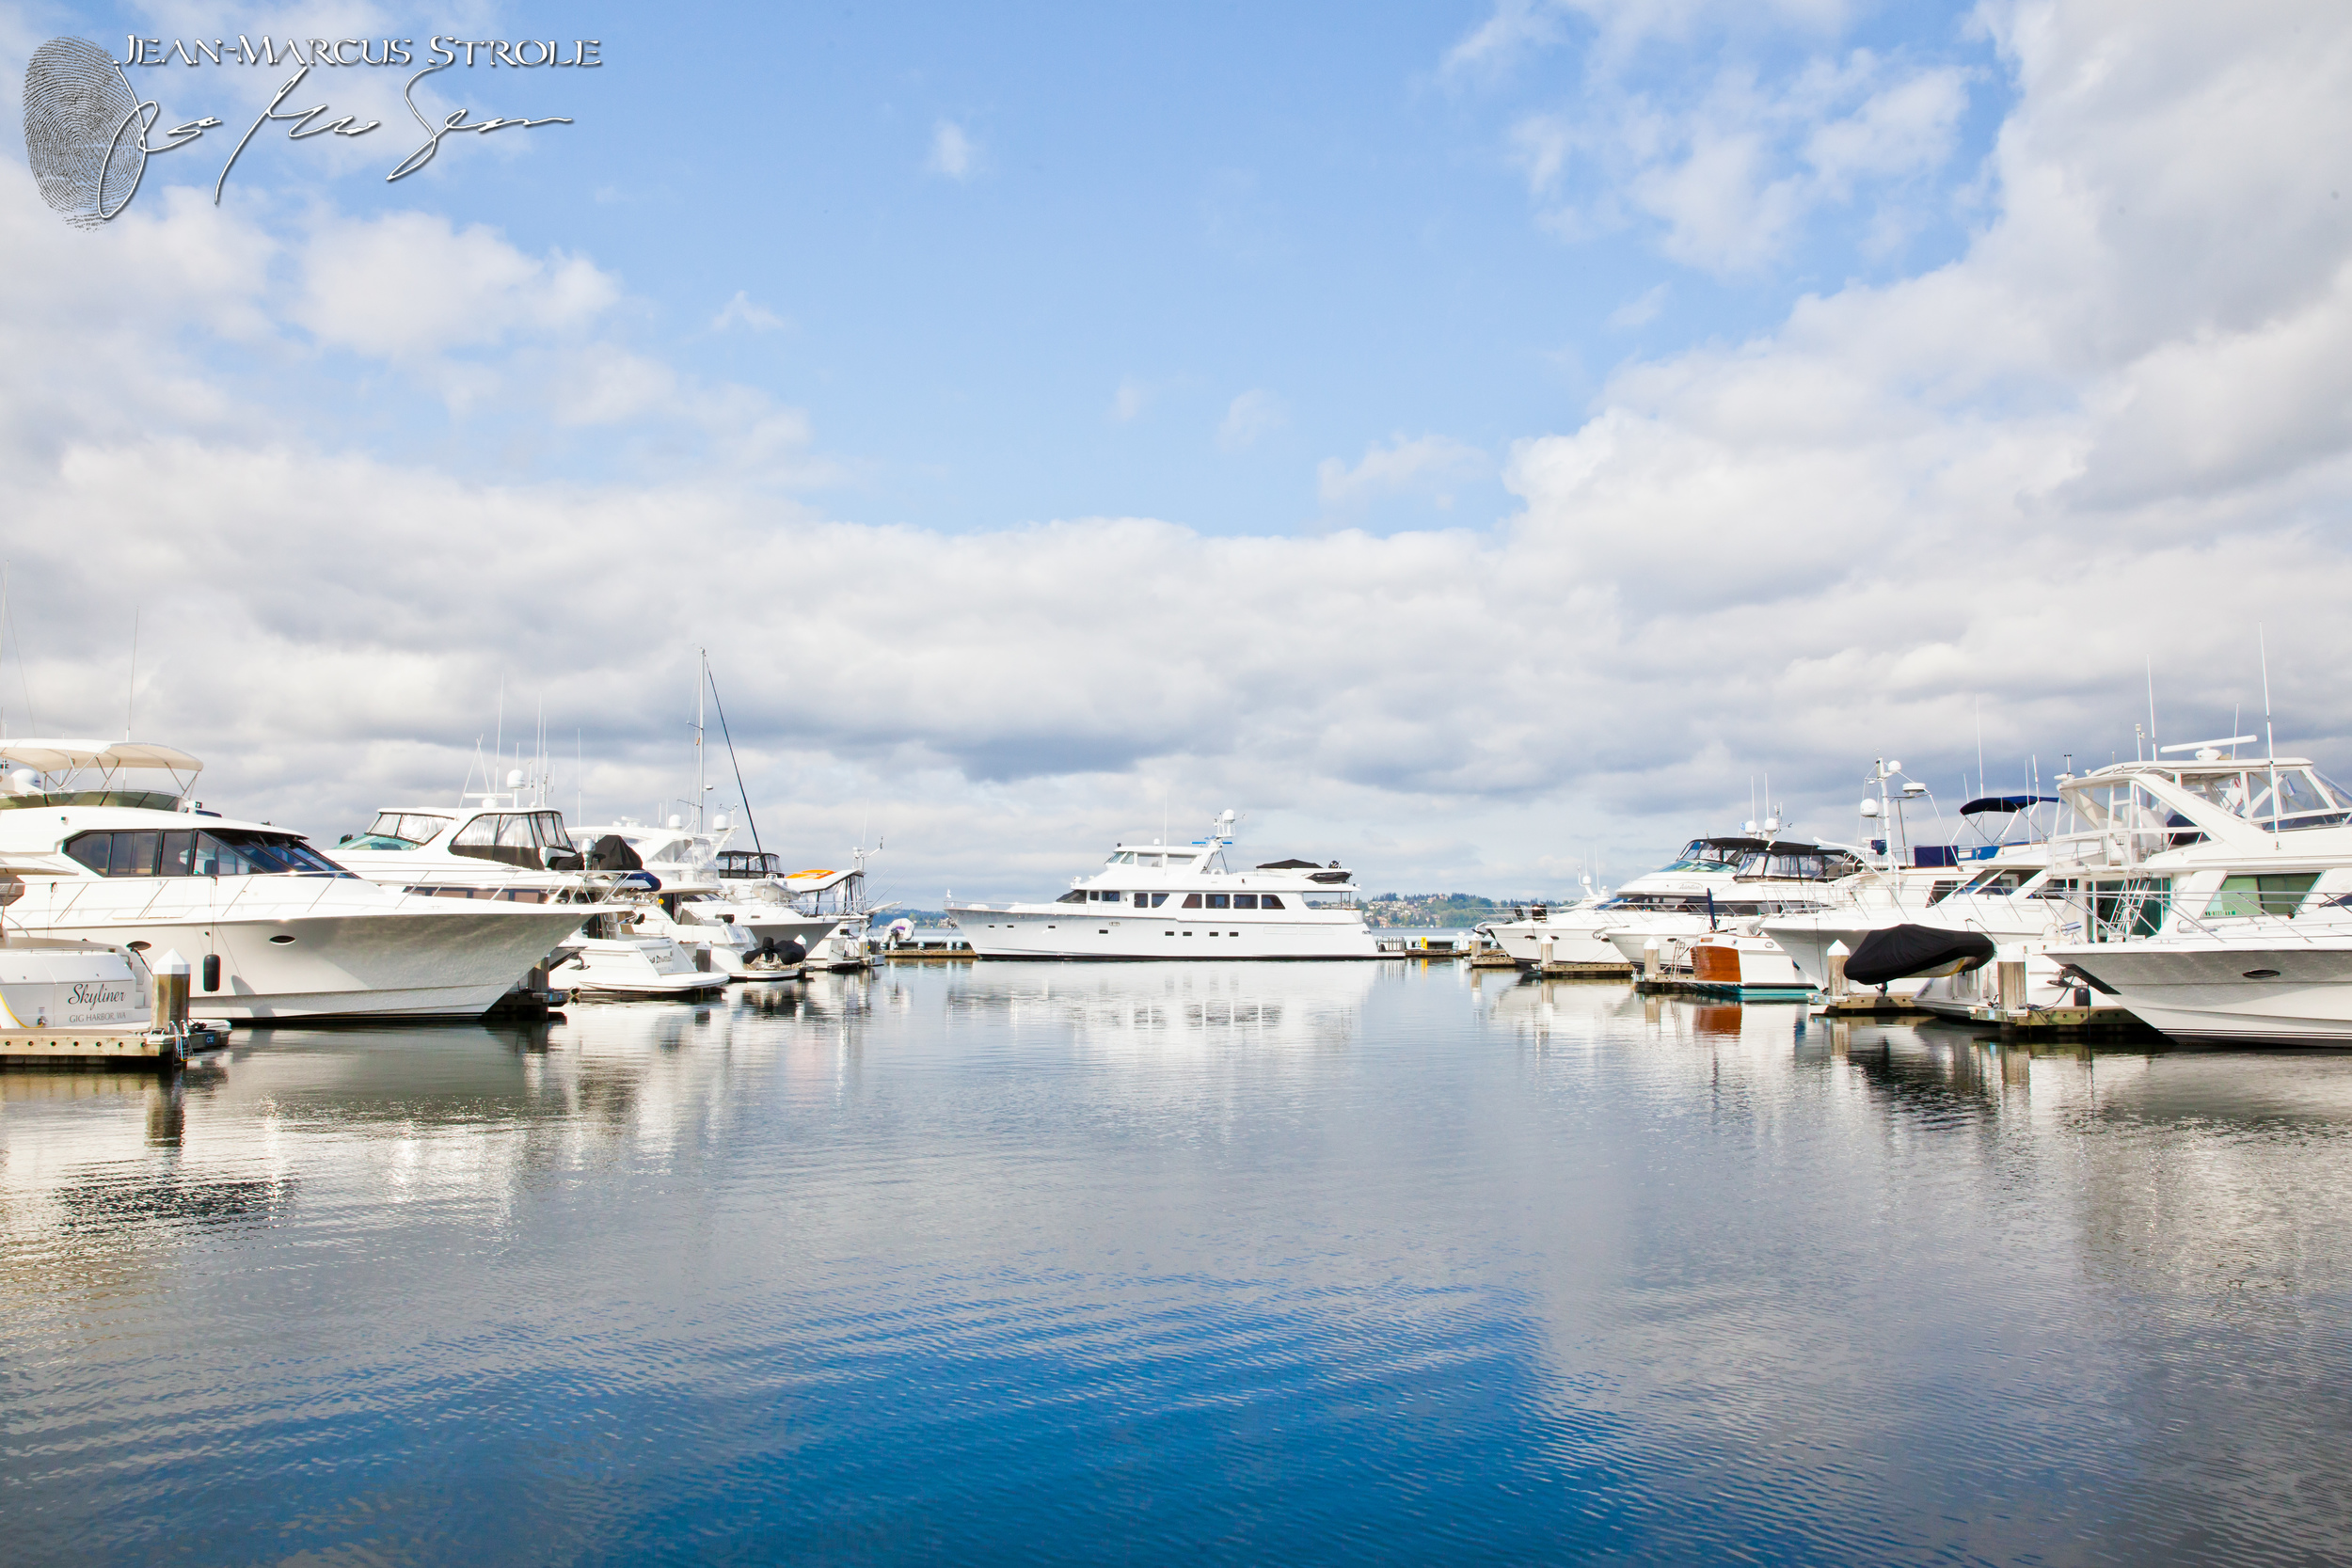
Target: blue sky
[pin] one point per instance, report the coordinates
(1324, 212)
(1475, 442)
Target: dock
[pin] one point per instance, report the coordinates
(156, 1050)
(1568, 970)
(954, 951)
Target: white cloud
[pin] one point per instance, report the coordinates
(409, 285)
(1640, 310)
(1249, 418)
(1420, 463)
(743, 313)
(1129, 401)
(2115, 427)
(954, 153)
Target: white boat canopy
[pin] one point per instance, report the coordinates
(107, 756)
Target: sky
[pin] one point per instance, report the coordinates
(1481, 443)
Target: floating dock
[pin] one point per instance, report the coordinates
(157, 1050)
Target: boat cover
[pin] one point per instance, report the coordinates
(611, 853)
(1903, 952)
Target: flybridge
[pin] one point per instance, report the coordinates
(49, 772)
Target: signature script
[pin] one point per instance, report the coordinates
(147, 112)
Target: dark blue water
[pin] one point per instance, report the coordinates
(1159, 1264)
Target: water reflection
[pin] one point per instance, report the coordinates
(1286, 1262)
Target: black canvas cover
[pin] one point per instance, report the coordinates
(1900, 952)
(611, 853)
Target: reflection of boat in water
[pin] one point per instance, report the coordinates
(1305, 1007)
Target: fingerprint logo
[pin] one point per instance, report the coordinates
(83, 132)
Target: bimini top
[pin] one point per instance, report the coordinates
(2008, 803)
(67, 757)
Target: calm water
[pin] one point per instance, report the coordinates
(1248, 1262)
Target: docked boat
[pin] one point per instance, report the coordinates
(272, 927)
(1714, 880)
(2252, 981)
(2174, 852)
(1759, 877)
(613, 957)
(1181, 901)
(1745, 964)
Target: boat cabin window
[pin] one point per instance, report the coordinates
(746, 863)
(1075, 895)
(1192, 902)
(1999, 884)
(229, 853)
(513, 838)
(1220, 901)
(1270, 901)
(397, 829)
(2260, 895)
(1245, 900)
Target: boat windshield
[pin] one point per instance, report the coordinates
(1702, 855)
(219, 852)
(395, 830)
(2303, 797)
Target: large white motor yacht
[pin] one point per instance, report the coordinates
(1181, 901)
(272, 929)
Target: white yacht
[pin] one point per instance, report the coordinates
(272, 929)
(2230, 979)
(1747, 879)
(2157, 850)
(1181, 901)
(1712, 881)
(1904, 884)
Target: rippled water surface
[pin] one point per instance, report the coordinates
(1166, 1263)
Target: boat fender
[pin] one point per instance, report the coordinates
(212, 971)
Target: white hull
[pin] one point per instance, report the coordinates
(1069, 931)
(2199, 990)
(1578, 936)
(618, 968)
(415, 962)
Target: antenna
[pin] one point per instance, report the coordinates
(2152, 700)
(739, 767)
(131, 694)
(1980, 742)
(2270, 736)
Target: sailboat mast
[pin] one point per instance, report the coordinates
(702, 676)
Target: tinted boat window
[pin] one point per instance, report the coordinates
(91, 849)
(1268, 901)
(1217, 900)
(179, 854)
(134, 854)
(1245, 900)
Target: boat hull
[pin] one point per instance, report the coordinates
(442, 961)
(2290, 993)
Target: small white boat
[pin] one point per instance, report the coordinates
(608, 959)
(1744, 964)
